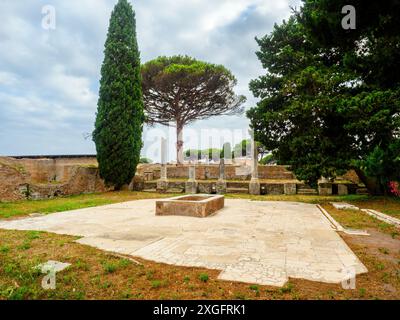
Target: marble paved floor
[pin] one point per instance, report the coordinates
(255, 242)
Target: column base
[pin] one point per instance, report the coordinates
(290, 188)
(191, 187)
(221, 187)
(162, 186)
(254, 187)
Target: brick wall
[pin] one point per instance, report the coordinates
(47, 178)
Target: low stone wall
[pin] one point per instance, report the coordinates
(37, 178)
(41, 178)
(54, 169)
(211, 172)
(13, 178)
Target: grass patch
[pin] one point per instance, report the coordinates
(95, 274)
(357, 219)
(110, 267)
(203, 277)
(26, 207)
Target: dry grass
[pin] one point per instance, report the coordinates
(96, 274)
(388, 205)
(356, 219)
(23, 208)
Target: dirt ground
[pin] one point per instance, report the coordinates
(96, 274)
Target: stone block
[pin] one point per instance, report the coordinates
(191, 187)
(274, 188)
(199, 206)
(254, 187)
(137, 183)
(148, 175)
(325, 189)
(221, 187)
(290, 188)
(206, 188)
(342, 190)
(162, 186)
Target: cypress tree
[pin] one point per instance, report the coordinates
(120, 116)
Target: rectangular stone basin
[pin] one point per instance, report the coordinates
(200, 206)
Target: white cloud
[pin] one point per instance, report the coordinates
(49, 78)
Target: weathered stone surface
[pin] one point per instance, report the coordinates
(137, 183)
(191, 186)
(14, 180)
(200, 206)
(232, 171)
(383, 217)
(54, 266)
(221, 187)
(162, 186)
(207, 187)
(192, 173)
(290, 188)
(19, 179)
(254, 187)
(344, 206)
(253, 241)
(274, 188)
(342, 189)
(325, 189)
(222, 170)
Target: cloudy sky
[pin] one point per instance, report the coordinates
(49, 78)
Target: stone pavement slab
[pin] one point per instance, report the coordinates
(344, 206)
(249, 241)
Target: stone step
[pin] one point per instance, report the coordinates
(170, 190)
(237, 190)
(307, 191)
(362, 191)
(175, 190)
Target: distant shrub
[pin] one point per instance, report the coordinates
(268, 159)
(145, 160)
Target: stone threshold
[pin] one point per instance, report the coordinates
(383, 217)
(338, 227)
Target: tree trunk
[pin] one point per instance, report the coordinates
(372, 184)
(179, 143)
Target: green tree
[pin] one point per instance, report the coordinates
(211, 153)
(268, 159)
(120, 116)
(193, 154)
(226, 152)
(320, 111)
(242, 149)
(181, 89)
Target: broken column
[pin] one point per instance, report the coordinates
(254, 186)
(162, 183)
(221, 183)
(191, 185)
